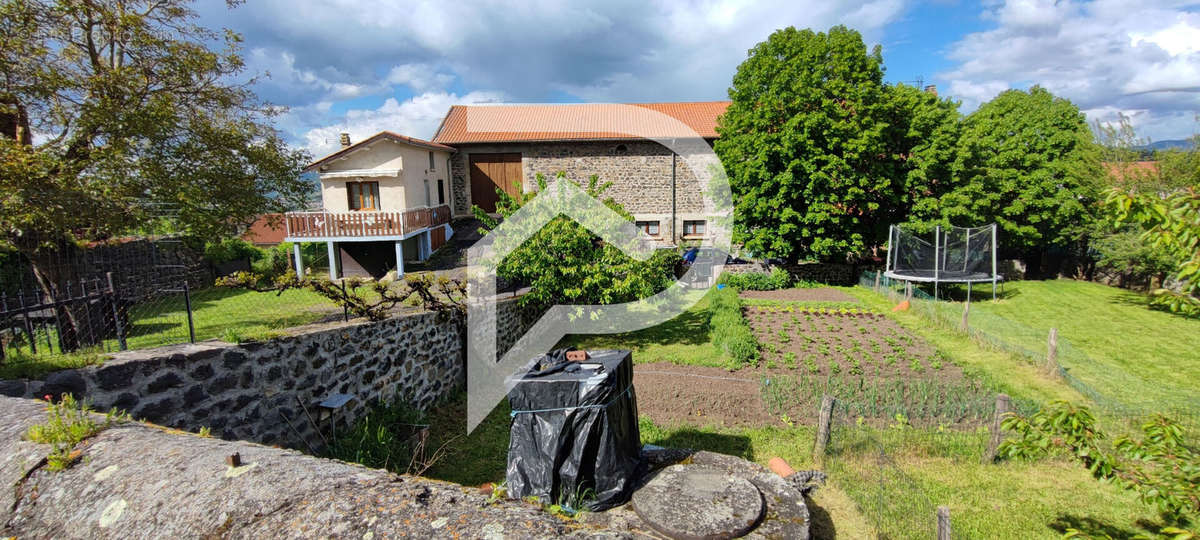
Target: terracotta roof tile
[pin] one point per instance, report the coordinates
(580, 121)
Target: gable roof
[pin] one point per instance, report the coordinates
(587, 121)
(395, 137)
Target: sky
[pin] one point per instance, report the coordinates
(366, 66)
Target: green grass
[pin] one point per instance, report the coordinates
(217, 313)
(683, 340)
(1138, 355)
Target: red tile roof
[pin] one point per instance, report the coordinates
(465, 124)
(370, 140)
(268, 229)
(1135, 169)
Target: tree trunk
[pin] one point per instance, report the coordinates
(1033, 264)
(57, 274)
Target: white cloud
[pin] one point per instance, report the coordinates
(415, 117)
(1105, 56)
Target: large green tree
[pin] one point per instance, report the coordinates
(117, 109)
(820, 154)
(1028, 162)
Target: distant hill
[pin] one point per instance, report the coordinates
(1168, 144)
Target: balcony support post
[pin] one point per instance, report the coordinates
(299, 260)
(428, 245)
(399, 259)
(333, 260)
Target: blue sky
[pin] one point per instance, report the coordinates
(362, 67)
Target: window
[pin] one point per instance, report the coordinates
(432, 165)
(648, 227)
(441, 191)
(428, 201)
(363, 195)
(693, 228)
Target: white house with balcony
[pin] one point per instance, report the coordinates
(384, 200)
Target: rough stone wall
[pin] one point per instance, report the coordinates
(640, 172)
(139, 481)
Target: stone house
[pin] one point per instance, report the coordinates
(390, 197)
(649, 180)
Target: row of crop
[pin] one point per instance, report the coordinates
(730, 333)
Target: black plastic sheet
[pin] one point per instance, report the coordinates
(574, 433)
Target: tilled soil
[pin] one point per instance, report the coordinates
(703, 396)
(821, 294)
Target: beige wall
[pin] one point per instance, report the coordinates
(396, 193)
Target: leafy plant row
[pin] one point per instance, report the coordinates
(730, 333)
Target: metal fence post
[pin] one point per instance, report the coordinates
(1003, 405)
(966, 312)
(826, 415)
(112, 301)
(187, 302)
(943, 523)
(28, 323)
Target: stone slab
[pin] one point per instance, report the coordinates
(695, 502)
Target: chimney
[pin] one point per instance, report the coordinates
(931, 88)
(345, 140)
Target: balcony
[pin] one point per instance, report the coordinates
(363, 224)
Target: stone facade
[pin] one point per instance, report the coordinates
(254, 391)
(641, 173)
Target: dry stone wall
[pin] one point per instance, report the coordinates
(260, 391)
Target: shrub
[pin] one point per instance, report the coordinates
(231, 249)
(730, 333)
(386, 438)
(758, 281)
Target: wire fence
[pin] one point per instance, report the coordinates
(71, 307)
(1058, 356)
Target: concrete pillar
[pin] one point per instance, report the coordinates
(399, 259)
(428, 245)
(333, 261)
(299, 260)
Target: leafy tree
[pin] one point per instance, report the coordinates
(1170, 224)
(1028, 162)
(1161, 467)
(115, 109)
(564, 263)
(821, 156)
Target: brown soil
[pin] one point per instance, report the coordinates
(822, 294)
(703, 396)
(858, 344)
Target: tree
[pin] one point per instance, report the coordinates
(820, 155)
(1162, 468)
(1170, 224)
(564, 263)
(131, 111)
(1028, 162)
(924, 137)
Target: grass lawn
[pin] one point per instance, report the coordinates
(218, 313)
(1138, 355)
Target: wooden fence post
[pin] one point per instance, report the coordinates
(943, 523)
(877, 281)
(966, 313)
(119, 327)
(1003, 405)
(1052, 352)
(823, 427)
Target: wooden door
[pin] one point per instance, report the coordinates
(490, 172)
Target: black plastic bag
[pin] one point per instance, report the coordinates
(574, 433)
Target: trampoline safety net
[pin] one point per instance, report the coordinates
(953, 254)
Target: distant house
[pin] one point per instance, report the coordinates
(268, 230)
(389, 198)
(649, 180)
(384, 200)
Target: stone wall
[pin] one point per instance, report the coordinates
(255, 391)
(640, 172)
(139, 481)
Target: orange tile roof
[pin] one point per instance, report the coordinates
(369, 140)
(1136, 169)
(578, 121)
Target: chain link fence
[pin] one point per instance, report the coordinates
(1057, 355)
(71, 307)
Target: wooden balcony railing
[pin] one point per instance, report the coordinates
(363, 224)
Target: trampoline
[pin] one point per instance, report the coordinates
(955, 255)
